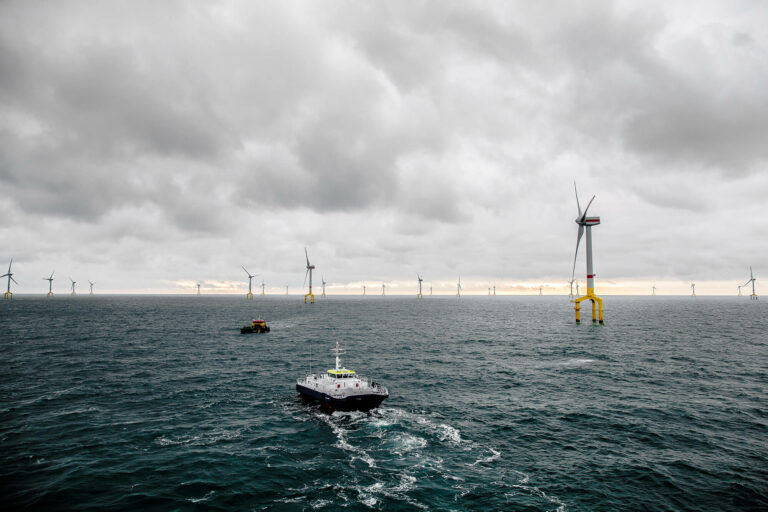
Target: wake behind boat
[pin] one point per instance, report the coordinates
(341, 389)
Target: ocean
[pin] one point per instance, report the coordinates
(496, 403)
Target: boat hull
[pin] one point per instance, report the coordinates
(350, 403)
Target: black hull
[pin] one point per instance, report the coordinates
(251, 330)
(352, 403)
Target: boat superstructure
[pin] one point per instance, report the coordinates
(342, 389)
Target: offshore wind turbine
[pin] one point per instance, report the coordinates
(430, 290)
(50, 284)
(249, 295)
(693, 289)
(310, 268)
(363, 290)
(322, 279)
(494, 290)
(586, 223)
(751, 280)
(420, 295)
(739, 290)
(540, 288)
(286, 290)
(459, 288)
(262, 288)
(9, 275)
(570, 291)
(90, 283)
(654, 289)
(489, 291)
(383, 289)
(198, 288)
(73, 286)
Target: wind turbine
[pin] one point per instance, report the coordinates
(286, 290)
(693, 289)
(73, 286)
(198, 288)
(458, 288)
(751, 280)
(494, 291)
(420, 295)
(430, 290)
(383, 289)
(540, 288)
(739, 290)
(262, 287)
(310, 268)
(654, 289)
(322, 278)
(249, 295)
(489, 291)
(90, 283)
(363, 290)
(570, 292)
(586, 222)
(50, 284)
(577, 288)
(9, 275)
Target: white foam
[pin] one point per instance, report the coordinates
(495, 455)
(203, 498)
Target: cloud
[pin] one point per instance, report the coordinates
(388, 138)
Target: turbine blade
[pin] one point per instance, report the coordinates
(246, 271)
(5, 275)
(305, 277)
(576, 254)
(307, 255)
(12, 279)
(577, 198)
(587, 208)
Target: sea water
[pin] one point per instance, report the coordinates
(496, 403)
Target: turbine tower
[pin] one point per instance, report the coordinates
(751, 280)
(198, 288)
(654, 289)
(322, 278)
(73, 286)
(570, 291)
(420, 295)
(458, 288)
(577, 288)
(310, 268)
(249, 295)
(286, 290)
(9, 275)
(430, 290)
(540, 288)
(693, 289)
(489, 291)
(383, 289)
(494, 291)
(90, 283)
(262, 288)
(363, 290)
(739, 290)
(586, 222)
(50, 284)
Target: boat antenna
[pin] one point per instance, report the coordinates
(310, 356)
(337, 351)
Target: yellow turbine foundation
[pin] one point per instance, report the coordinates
(8, 295)
(597, 305)
(311, 298)
(249, 295)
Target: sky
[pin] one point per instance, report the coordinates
(149, 146)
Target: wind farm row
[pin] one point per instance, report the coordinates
(585, 224)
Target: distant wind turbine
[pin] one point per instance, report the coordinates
(310, 268)
(50, 284)
(198, 288)
(751, 280)
(383, 289)
(249, 295)
(430, 290)
(654, 289)
(540, 288)
(693, 289)
(420, 295)
(489, 291)
(73, 286)
(322, 279)
(363, 290)
(9, 275)
(90, 283)
(459, 288)
(739, 290)
(262, 287)
(586, 223)
(494, 290)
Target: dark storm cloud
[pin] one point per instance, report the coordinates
(172, 126)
